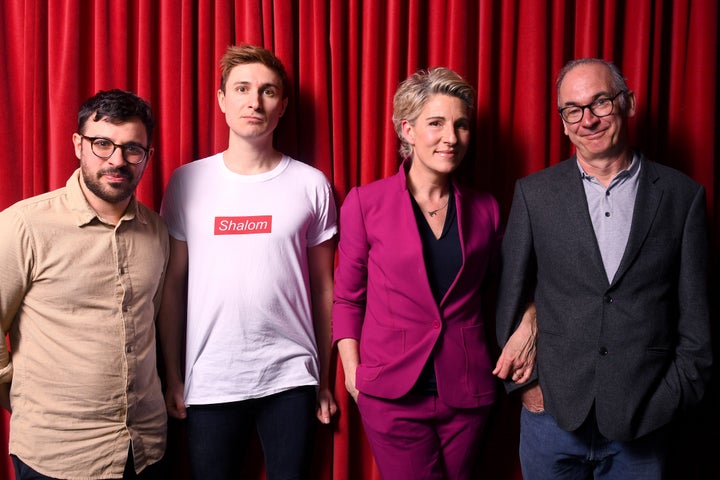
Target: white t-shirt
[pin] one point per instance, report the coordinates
(249, 322)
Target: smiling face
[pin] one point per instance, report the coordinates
(113, 180)
(595, 138)
(252, 101)
(440, 135)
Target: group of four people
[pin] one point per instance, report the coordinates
(603, 270)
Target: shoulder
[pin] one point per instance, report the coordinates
(197, 166)
(384, 186)
(35, 205)
(564, 169)
(150, 216)
(380, 198)
(306, 171)
(668, 176)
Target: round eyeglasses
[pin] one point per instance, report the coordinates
(104, 148)
(601, 107)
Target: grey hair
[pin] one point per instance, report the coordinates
(618, 82)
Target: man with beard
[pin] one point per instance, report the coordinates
(82, 271)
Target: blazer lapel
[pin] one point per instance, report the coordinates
(571, 194)
(646, 206)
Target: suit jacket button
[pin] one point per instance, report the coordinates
(608, 299)
(436, 324)
(603, 351)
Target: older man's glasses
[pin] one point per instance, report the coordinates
(602, 107)
(104, 148)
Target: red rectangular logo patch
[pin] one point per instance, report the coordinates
(243, 225)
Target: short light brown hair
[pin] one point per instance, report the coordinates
(414, 92)
(242, 54)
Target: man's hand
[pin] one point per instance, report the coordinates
(174, 401)
(517, 358)
(326, 407)
(532, 398)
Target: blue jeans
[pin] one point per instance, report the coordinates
(549, 452)
(219, 435)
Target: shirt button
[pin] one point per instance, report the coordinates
(128, 349)
(603, 351)
(607, 214)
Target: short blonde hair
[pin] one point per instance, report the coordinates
(414, 92)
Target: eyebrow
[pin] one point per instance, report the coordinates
(264, 85)
(594, 97)
(441, 117)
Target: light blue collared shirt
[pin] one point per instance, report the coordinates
(611, 211)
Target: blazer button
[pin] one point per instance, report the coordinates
(436, 324)
(603, 351)
(608, 299)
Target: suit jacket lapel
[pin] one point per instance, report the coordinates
(647, 202)
(572, 194)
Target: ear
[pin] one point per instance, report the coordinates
(631, 106)
(408, 131)
(77, 143)
(221, 99)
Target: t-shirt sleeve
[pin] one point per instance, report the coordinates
(171, 208)
(325, 225)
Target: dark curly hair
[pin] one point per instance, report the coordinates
(116, 106)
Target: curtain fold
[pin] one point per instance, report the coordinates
(345, 60)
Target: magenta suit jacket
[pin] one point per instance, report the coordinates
(383, 297)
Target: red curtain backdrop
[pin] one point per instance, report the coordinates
(345, 59)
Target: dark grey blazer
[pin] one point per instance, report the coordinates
(639, 347)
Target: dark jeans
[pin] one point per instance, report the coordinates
(152, 472)
(547, 451)
(219, 435)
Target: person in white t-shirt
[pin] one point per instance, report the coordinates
(249, 284)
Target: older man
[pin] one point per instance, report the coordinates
(612, 248)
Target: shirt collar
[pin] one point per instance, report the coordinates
(84, 213)
(629, 172)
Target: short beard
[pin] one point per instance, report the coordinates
(116, 193)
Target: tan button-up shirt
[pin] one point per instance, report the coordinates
(79, 298)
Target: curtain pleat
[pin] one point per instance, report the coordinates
(345, 60)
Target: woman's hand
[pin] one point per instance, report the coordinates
(349, 350)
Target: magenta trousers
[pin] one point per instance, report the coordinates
(419, 437)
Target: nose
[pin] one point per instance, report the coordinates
(450, 134)
(117, 157)
(588, 117)
(255, 101)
